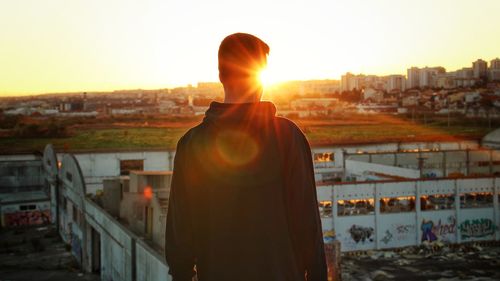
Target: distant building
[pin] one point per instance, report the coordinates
(307, 103)
(480, 68)
(428, 76)
(396, 82)
(494, 71)
(413, 80)
(373, 95)
(347, 82)
(445, 80)
(318, 87)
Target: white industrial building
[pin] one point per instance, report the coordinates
(111, 206)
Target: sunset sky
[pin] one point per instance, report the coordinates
(89, 45)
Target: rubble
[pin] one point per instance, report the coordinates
(429, 261)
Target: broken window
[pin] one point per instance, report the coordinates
(437, 202)
(75, 214)
(323, 160)
(64, 203)
(69, 176)
(325, 209)
(27, 207)
(476, 200)
(324, 157)
(131, 165)
(355, 207)
(397, 204)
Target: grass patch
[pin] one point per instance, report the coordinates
(318, 133)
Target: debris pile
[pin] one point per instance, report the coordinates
(429, 261)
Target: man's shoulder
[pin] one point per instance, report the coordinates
(287, 126)
(189, 135)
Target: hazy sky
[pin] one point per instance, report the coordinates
(86, 45)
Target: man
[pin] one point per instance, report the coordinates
(243, 199)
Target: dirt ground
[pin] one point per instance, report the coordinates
(428, 262)
(37, 253)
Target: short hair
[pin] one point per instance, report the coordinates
(242, 55)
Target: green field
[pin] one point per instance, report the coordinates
(101, 139)
(166, 138)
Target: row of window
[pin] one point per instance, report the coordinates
(407, 204)
(27, 207)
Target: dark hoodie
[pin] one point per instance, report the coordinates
(243, 200)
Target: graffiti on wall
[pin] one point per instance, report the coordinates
(403, 229)
(387, 237)
(361, 234)
(35, 217)
(398, 232)
(431, 231)
(477, 228)
(76, 247)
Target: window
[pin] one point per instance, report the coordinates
(324, 157)
(476, 200)
(437, 202)
(355, 207)
(75, 214)
(27, 207)
(69, 176)
(397, 204)
(64, 203)
(130, 165)
(325, 209)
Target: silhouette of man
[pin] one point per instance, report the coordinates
(243, 200)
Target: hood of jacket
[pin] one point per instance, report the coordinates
(238, 113)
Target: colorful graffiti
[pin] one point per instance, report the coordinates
(25, 218)
(431, 231)
(477, 228)
(361, 233)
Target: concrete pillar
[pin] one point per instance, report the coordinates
(457, 211)
(376, 198)
(496, 207)
(333, 256)
(418, 213)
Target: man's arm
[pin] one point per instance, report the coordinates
(302, 205)
(179, 237)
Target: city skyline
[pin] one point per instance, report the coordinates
(90, 46)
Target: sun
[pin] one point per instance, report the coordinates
(267, 77)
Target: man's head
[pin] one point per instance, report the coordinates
(241, 58)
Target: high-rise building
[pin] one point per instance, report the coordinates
(480, 68)
(495, 64)
(428, 76)
(347, 82)
(396, 82)
(465, 73)
(494, 71)
(413, 80)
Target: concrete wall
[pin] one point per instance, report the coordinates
(149, 264)
(451, 223)
(117, 244)
(360, 168)
(20, 175)
(99, 166)
(438, 163)
(120, 254)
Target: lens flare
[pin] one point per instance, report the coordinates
(236, 148)
(148, 192)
